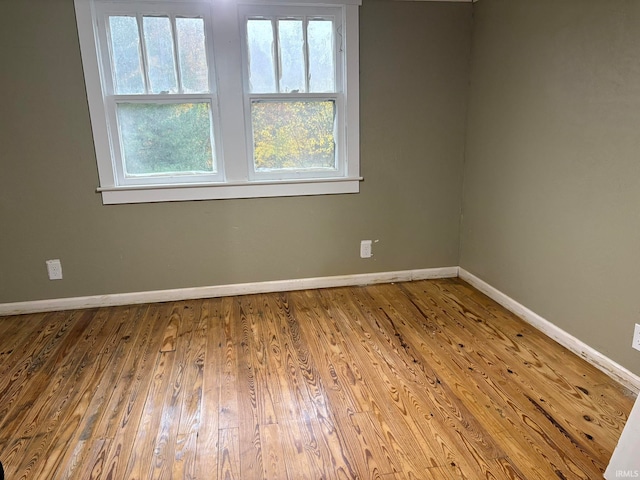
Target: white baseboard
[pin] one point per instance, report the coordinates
(223, 290)
(608, 366)
(595, 358)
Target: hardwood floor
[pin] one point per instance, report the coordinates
(421, 380)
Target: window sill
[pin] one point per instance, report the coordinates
(208, 191)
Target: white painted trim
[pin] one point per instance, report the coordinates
(177, 193)
(591, 355)
(223, 290)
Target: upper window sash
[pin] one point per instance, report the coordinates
(139, 10)
(275, 19)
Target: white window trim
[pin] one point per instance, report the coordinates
(237, 182)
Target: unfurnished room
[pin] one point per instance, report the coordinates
(336, 239)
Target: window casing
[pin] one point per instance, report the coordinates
(215, 99)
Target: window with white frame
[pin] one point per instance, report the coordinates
(214, 99)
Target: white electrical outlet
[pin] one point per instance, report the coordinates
(365, 249)
(54, 269)
(636, 337)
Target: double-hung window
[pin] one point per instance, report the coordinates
(211, 99)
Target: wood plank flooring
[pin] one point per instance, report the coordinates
(420, 380)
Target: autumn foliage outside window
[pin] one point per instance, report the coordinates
(245, 96)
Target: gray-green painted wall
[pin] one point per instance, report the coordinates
(414, 73)
(552, 173)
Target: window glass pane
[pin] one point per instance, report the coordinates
(321, 56)
(291, 44)
(192, 54)
(293, 135)
(166, 138)
(160, 58)
(125, 49)
(261, 67)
